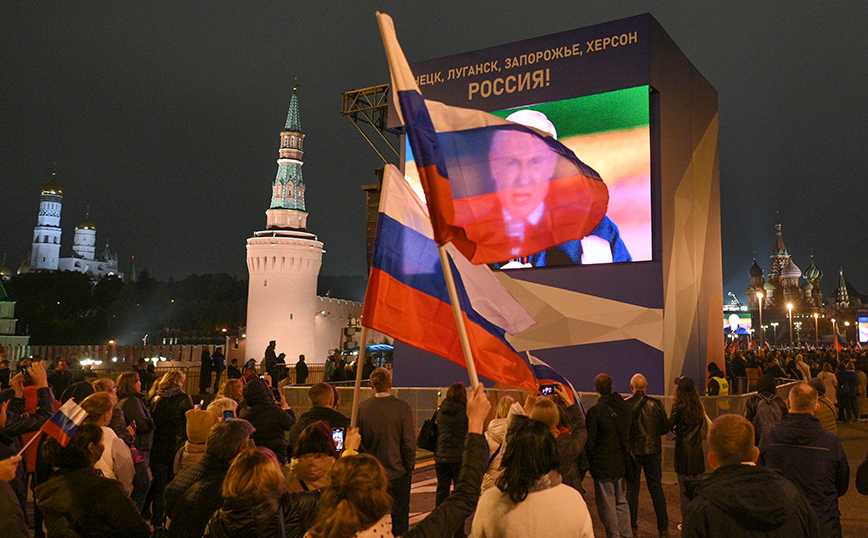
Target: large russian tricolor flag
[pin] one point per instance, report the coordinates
(65, 422)
(496, 189)
(407, 296)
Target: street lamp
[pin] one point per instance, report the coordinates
(774, 325)
(759, 300)
(790, 315)
(817, 326)
(846, 331)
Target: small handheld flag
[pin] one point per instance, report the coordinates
(65, 422)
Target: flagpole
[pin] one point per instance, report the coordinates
(35, 437)
(459, 319)
(357, 388)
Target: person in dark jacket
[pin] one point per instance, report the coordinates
(61, 377)
(79, 501)
(686, 420)
(207, 366)
(765, 397)
(348, 485)
(650, 423)
(233, 372)
(848, 392)
(451, 431)
(609, 422)
(218, 364)
(132, 402)
(810, 457)
(300, 371)
(253, 498)
(862, 477)
(196, 492)
(168, 410)
(741, 499)
(321, 398)
(270, 419)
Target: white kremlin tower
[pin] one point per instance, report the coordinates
(284, 261)
(45, 253)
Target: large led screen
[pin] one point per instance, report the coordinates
(610, 132)
(737, 324)
(863, 330)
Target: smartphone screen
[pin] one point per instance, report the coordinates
(228, 414)
(548, 389)
(338, 436)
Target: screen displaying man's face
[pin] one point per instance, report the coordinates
(521, 167)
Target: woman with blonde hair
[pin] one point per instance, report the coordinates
(168, 409)
(231, 388)
(136, 414)
(220, 405)
(116, 461)
(255, 502)
(356, 503)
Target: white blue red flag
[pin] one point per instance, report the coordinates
(858, 345)
(837, 342)
(546, 375)
(65, 422)
(496, 189)
(407, 296)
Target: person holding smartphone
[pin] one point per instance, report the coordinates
(315, 453)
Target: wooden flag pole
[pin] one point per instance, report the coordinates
(34, 438)
(357, 388)
(459, 319)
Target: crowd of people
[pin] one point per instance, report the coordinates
(158, 464)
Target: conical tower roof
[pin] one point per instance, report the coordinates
(3, 296)
(5, 271)
(780, 248)
(841, 284)
(293, 121)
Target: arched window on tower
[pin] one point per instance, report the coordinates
(285, 141)
(289, 190)
(45, 239)
(292, 142)
(278, 191)
(300, 191)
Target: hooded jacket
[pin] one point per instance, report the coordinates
(745, 501)
(814, 460)
(267, 417)
(451, 431)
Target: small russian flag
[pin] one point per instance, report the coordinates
(65, 422)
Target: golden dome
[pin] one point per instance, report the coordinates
(52, 187)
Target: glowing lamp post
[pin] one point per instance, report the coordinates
(790, 315)
(817, 327)
(835, 335)
(774, 326)
(759, 301)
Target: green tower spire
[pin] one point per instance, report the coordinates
(293, 121)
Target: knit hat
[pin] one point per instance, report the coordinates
(818, 385)
(685, 383)
(199, 423)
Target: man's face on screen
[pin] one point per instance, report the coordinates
(521, 166)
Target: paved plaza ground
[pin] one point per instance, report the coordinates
(854, 507)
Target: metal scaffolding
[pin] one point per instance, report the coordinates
(369, 107)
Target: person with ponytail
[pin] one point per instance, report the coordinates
(355, 503)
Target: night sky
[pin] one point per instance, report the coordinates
(164, 117)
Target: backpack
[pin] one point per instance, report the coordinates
(768, 412)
